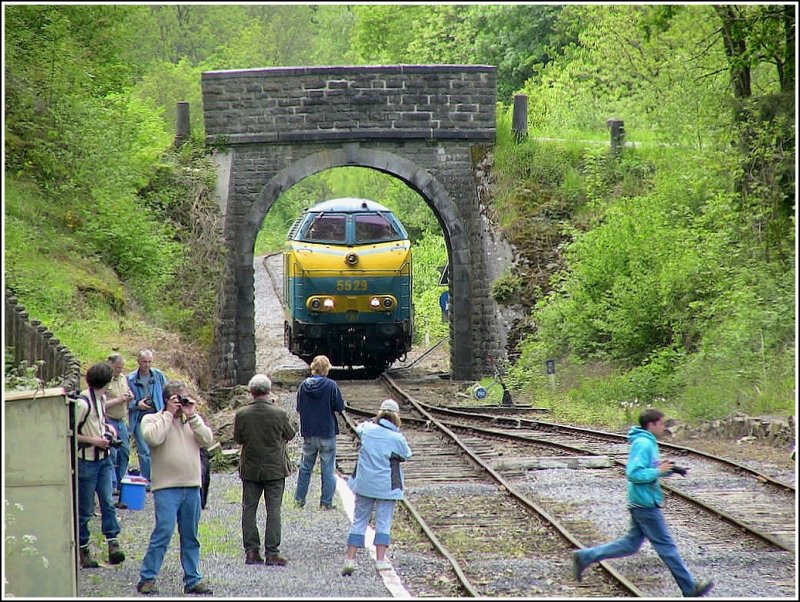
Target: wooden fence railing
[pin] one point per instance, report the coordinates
(29, 340)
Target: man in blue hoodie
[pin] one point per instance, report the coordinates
(318, 400)
(645, 500)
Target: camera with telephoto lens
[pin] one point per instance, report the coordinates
(681, 470)
(112, 440)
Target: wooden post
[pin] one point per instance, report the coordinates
(617, 135)
(182, 130)
(519, 123)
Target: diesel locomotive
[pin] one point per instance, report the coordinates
(347, 278)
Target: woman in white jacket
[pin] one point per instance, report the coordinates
(377, 482)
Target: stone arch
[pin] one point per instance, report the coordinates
(417, 178)
(419, 123)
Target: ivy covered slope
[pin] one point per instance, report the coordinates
(665, 276)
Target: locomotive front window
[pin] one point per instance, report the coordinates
(326, 228)
(375, 228)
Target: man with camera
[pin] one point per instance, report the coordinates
(645, 500)
(147, 384)
(95, 438)
(175, 436)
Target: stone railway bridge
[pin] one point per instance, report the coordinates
(272, 127)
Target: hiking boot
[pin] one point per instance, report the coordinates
(87, 562)
(199, 589)
(115, 555)
(702, 588)
(253, 557)
(324, 506)
(121, 505)
(348, 567)
(299, 503)
(275, 560)
(147, 588)
(577, 567)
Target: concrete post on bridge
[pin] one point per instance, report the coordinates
(182, 127)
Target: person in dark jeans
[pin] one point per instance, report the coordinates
(263, 430)
(318, 400)
(645, 500)
(205, 476)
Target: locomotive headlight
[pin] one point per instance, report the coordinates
(351, 259)
(319, 303)
(383, 303)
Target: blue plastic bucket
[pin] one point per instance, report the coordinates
(132, 492)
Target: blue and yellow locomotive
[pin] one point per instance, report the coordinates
(347, 285)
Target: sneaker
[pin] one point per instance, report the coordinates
(199, 588)
(577, 567)
(348, 567)
(121, 505)
(299, 503)
(323, 506)
(702, 588)
(383, 565)
(253, 557)
(147, 587)
(275, 560)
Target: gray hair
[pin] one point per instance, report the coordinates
(114, 358)
(173, 387)
(260, 384)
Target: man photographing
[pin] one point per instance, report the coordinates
(175, 436)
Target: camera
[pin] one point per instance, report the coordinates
(114, 441)
(681, 470)
(185, 401)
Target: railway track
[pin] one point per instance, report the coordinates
(504, 533)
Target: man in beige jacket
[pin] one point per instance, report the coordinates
(175, 436)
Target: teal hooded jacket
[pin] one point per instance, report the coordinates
(642, 470)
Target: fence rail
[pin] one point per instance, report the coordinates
(28, 340)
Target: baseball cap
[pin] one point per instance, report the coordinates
(390, 405)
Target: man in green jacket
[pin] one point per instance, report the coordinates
(645, 500)
(263, 430)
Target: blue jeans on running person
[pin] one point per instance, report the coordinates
(646, 523)
(95, 477)
(173, 505)
(326, 448)
(384, 511)
(120, 455)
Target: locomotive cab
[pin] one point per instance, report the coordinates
(348, 285)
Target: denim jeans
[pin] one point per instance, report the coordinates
(173, 505)
(384, 511)
(326, 448)
(646, 523)
(120, 455)
(95, 477)
(273, 497)
(143, 451)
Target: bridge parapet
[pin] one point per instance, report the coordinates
(296, 104)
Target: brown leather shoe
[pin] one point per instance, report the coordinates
(275, 560)
(115, 555)
(253, 557)
(87, 562)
